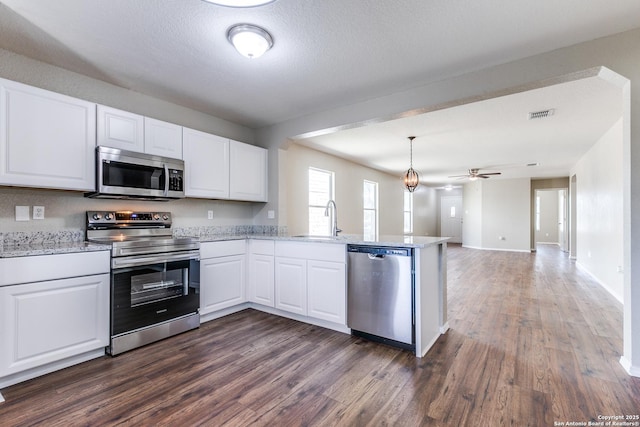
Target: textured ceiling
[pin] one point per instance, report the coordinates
(327, 53)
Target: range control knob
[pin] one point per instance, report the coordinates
(108, 216)
(165, 217)
(96, 216)
(156, 217)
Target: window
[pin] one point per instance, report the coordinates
(408, 212)
(321, 190)
(370, 204)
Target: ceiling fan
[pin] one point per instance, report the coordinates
(475, 174)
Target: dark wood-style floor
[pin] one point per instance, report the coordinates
(533, 341)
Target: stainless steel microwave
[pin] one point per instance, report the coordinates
(124, 174)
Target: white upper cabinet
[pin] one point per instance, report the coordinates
(248, 172)
(162, 138)
(47, 140)
(120, 129)
(206, 159)
(133, 132)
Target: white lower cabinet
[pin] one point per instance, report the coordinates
(291, 285)
(261, 283)
(222, 275)
(326, 291)
(44, 322)
(311, 280)
(53, 309)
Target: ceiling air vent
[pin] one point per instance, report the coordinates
(541, 114)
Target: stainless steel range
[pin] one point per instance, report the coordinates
(154, 277)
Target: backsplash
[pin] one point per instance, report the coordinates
(21, 238)
(48, 238)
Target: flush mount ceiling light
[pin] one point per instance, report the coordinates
(240, 3)
(251, 41)
(411, 177)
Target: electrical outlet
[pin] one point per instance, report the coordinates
(209, 214)
(22, 213)
(271, 214)
(38, 212)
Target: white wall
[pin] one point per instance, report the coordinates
(472, 219)
(548, 232)
(600, 210)
(348, 194)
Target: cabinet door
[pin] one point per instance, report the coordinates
(261, 279)
(248, 172)
(221, 283)
(291, 285)
(44, 322)
(162, 138)
(326, 287)
(206, 160)
(47, 140)
(120, 129)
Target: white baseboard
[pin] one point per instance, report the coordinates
(634, 371)
(444, 328)
(584, 269)
(1, 398)
(497, 249)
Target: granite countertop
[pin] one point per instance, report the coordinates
(49, 248)
(34, 248)
(347, 239)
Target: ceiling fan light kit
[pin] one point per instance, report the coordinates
(411, 177)
(475, 173)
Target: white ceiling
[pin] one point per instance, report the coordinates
(494, 134)
(332, 53)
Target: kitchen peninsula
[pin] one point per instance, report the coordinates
(302, 278)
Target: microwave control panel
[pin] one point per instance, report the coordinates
(176, 180)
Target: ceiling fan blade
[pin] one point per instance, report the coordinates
(491, 173)
(483, 176)
(459, 176)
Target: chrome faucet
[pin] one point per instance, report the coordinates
(334, 217)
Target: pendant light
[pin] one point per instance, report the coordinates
(411, 177)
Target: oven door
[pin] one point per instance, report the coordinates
(146, 290)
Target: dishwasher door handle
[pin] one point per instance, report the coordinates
(374, 256)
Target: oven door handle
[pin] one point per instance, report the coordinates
(153, 259)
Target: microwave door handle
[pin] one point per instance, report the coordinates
(166, 179)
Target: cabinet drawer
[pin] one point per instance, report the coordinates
(225, 248)
(319, 251)
(51, 267)
(263, 247)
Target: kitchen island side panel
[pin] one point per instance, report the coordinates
(428, 297)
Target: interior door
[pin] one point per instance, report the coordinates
(451, 218)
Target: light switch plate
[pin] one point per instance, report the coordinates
(38, 212)
(22, 213)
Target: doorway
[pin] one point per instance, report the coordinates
(451, 218)
(551, 207)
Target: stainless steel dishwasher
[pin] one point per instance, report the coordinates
(380, 297)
